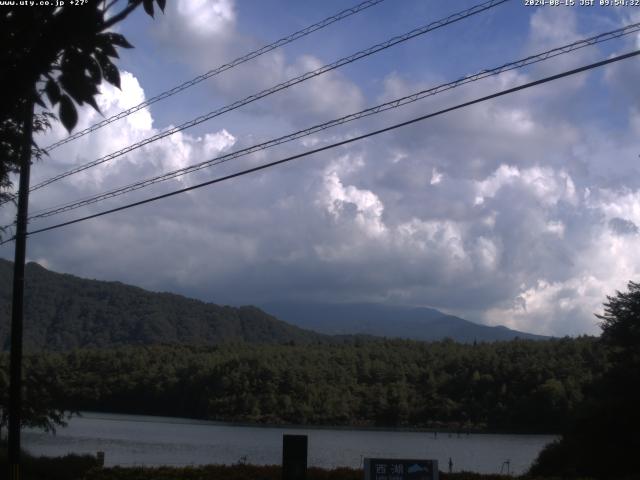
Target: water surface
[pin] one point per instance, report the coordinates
(143, 440)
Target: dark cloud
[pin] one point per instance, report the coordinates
(622, 226)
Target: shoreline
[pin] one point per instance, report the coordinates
(108, 416)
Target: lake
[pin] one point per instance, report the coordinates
(142, 440)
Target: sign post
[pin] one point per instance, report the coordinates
(400, 469)
(294, 457)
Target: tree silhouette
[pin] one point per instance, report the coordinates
(57, 54)
(621, 323)
(55, 57)
(604, 441)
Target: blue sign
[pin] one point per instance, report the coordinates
(400, 469)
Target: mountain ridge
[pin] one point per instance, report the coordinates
(413, 323)
(64, 312)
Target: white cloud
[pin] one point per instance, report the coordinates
(349, 229)
(170, 153)
(553, 308)
(553, 27)
(204, 38)
(359, 205)
(556, 227)
(547, 185)
(487, 253)
(206, 18)
(436, 177)
(510, 211)
(190, 28)
(444, 239)
(550, 28)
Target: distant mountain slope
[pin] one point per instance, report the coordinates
(389, 321)
(64, 312)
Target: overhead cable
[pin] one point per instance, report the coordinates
(293, 81)
(341, 143)
(222, 68)
(532, 59)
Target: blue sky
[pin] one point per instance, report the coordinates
(522, 211)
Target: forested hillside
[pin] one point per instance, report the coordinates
(520, 385)
(64, 312)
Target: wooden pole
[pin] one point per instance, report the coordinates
(17, 304)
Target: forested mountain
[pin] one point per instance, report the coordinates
(65, 312)
(520, 385)
(241, 364)
(411, 323)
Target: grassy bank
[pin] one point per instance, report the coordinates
(51, 468)
(251, 472)
(85, 467)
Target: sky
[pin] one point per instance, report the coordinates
(522, 211)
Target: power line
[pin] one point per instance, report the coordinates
(293, 81)
(343, 142)
(11, 239)
(222, 68)
(342, 120)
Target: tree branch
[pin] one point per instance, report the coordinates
(111, 4)
(121, 16)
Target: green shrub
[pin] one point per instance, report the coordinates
(69, 467)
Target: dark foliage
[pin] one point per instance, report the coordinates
(69, 467)
(219, 472)
(525, 386)
(73, 467)
(621, 325)
(604, 441)
(43, 400)
(55, 57)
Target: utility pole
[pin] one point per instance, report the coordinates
(17, 304)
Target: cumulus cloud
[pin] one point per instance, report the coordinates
(210, 37)
(358, 205)
(508, 212)
(191, 27)
(551, 28)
